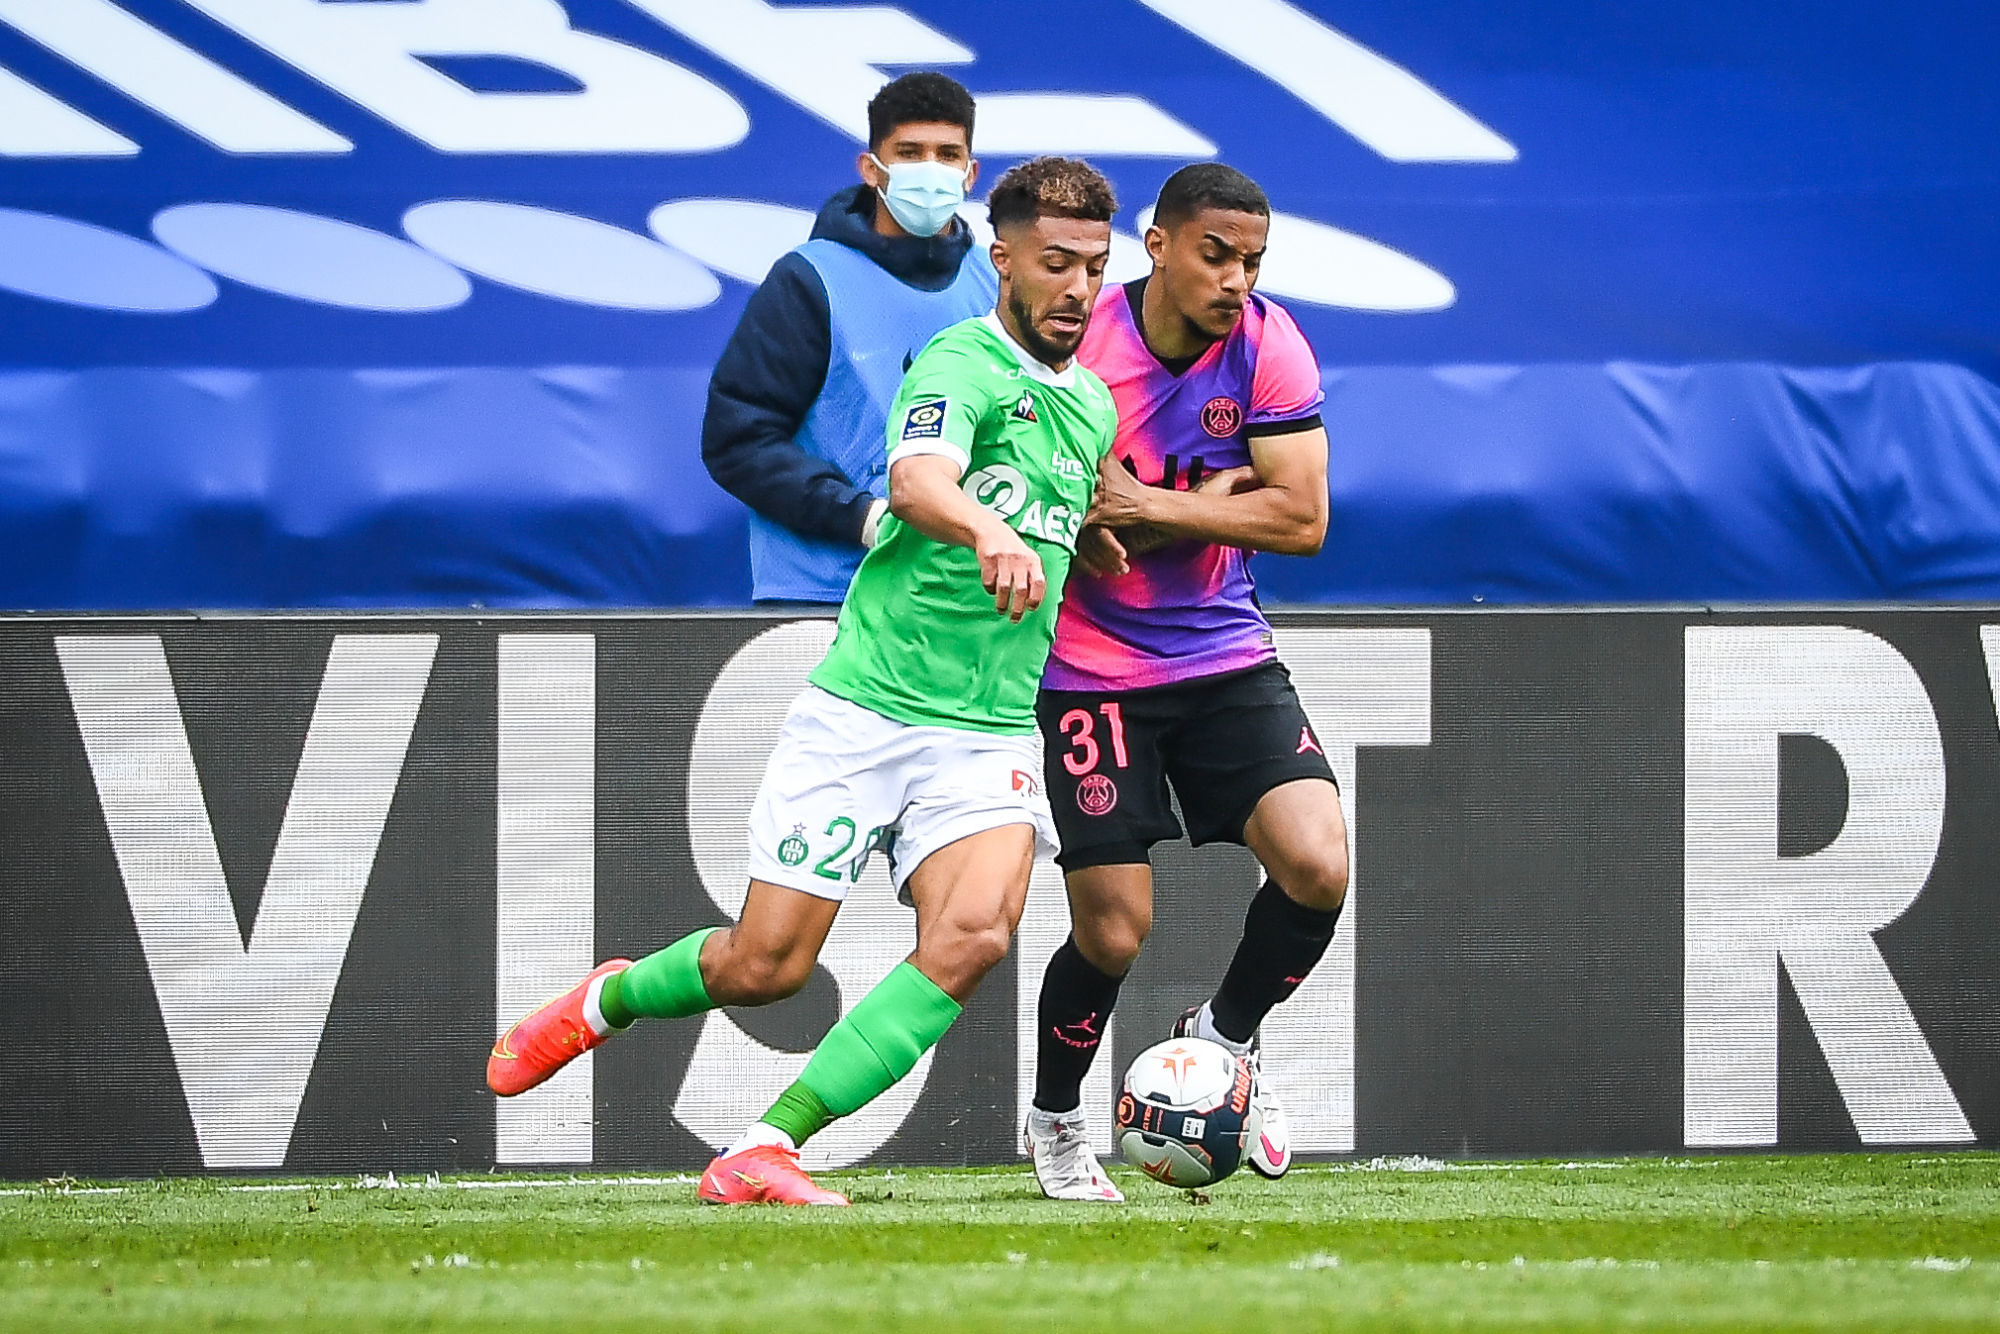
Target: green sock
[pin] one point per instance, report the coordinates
(798, 1112)
(876, 1044)
(666, 985)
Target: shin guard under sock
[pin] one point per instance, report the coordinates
(1282, 941)
(1075, 1006)
(663, 985)
(878, 1042)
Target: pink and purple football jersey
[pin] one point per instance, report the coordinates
(1188, 609)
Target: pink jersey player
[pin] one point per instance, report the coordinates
(1188, 609)
(1164, 709)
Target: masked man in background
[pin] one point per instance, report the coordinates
(799, 402)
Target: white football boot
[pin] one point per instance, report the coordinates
(1065, 1164)
(1271, 1151)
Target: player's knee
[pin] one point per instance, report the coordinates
(972, 950)
(987, 946)
(1320, 883)
(1112, 946)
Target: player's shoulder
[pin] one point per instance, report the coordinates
(1093, 388)
(1264, 314)
(969, 345)
(964, 353)
(1110, 329)
(1273, 339)
(1095, 396)
(974, 331)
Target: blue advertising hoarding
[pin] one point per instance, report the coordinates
(413, 302)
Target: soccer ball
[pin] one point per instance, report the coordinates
(1184, 1113)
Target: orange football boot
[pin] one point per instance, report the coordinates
(548, 1039)
(766, 1174)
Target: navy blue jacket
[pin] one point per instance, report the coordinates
(775, 365)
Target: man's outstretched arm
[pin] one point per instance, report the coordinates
(924, 493)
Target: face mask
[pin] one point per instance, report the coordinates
(923, 197)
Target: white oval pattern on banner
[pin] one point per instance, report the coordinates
(561, 255)
(311, 258)
(82, 264)
(570, 258)
(740, 238)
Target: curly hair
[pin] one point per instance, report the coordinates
(923, 98)
(1051, 187)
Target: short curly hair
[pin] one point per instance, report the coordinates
(922, 98)
(1051, 187)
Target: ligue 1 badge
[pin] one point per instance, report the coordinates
(925, 421)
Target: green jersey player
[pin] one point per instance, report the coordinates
(916, 736)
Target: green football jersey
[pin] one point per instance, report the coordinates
(918, 639)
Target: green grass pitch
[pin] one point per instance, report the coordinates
(1839, 1242)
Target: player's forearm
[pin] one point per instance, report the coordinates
(936, 507)
(1272, 518)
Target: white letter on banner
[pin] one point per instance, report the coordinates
(1377, 101)
(1989, 643)
(546, 875)
(158, 72)
(33, 124)
(827, 59)
(1747, 907)
(633, 101)
(244, 1022)
(1361, 688)
(732, 1077)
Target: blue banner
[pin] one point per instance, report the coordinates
(336, 304)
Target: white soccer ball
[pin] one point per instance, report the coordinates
(1184, 1113)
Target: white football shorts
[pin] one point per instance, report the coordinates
(844, 781)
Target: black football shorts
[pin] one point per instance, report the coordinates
(1221, 741)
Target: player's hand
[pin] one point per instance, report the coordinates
(1120, 499)
(1010, 571)
(1230, 481)
(1143, 539)
(1100, 551)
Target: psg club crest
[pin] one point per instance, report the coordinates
(1221, 416)
(1096, 795)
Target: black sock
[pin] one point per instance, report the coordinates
(1282, 941)
(1070, 1018)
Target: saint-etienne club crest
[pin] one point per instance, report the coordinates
(792, 849)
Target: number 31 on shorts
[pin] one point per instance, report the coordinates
(1083, 754)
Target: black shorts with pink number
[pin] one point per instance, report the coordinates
(1221, 742)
